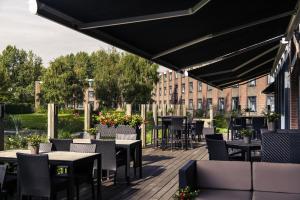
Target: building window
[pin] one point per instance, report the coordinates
(165, 102)
(235, 86)
(209, 88)
(234, 103)
(165, 91)
(176, 89)
(191, 87)
(183, 102)
(165, 77)
(170, 76)
(221, 104)
(183, 88)
(252, 83)
(176, 75)
(199, 86)
(170, 90)
(159, 91)
(191, 104)
(270, 79)
(209, 103)
(252, 103)
(270, 103)
(91, 94)
(199, 104)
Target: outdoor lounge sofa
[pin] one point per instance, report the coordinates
(236, 180)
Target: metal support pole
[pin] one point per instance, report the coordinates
(2, 109)
(143, 126)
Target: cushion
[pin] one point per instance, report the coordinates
(276, 177)
(275, 196)
(231, 175)
(224, 195)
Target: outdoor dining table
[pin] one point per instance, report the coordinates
(128, 145)
(63, 158)
(166, 122)
(246, 147)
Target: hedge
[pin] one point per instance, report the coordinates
(18, 108)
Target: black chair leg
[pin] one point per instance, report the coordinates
(115, 178)
(93, 189)
(77, 191)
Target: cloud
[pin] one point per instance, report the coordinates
(45, 38)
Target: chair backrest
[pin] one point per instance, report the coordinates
(2, 175)
(107, 148)
(34, 175)
(176, 123)
(214, 137)
(81, 141)
(120, 132)
(217, 149)
(288, 130)
(83, 148)
(281, 147)
(45, 147)
(61, 144)
(199, 125)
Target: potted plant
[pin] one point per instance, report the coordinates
(272, 117)
(186, 194)
(247, 134)
(92, 132)
(34, 141)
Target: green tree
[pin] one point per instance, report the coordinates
(139, 77)
(65, 79)
(20, 70)
(107, 76)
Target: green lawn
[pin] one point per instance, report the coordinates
(37, 121)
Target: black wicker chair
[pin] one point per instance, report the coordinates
(45, 147)
(218, 150)
(34, 177)
(3, 194)
(61, 144)
(198, 129)
(214, 137)
(281, 147)
(111, 159)
(84, 171)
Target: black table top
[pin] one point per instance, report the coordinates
(241, 143)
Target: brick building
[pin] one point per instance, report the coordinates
(176, 88)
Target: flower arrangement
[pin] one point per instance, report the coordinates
(246, 132)
(34, 140)
(272, 116)
(115, 118)
(186, 194)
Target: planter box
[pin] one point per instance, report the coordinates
(120, 132)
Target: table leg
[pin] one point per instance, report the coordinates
(140, 161)
(128, 164)
(99, 186)
(71, 181)
(248, 155)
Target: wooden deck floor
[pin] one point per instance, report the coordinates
(160, 176)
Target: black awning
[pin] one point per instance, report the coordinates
(182, 34)
(270, 89)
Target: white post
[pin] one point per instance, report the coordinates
(211, 116)
(128, 109)
(52, 120)
(87, 116)
(184, 110)
(164, 109)
(154, 109)
(143, 127)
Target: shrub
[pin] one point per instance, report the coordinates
(18, 108)
(220, 121)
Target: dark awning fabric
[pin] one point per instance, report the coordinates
(270, 89)
(184, 33)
